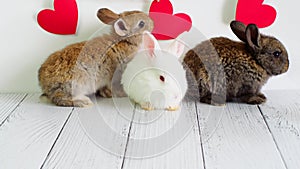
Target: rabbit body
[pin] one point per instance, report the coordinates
(70, 75)
(154, 78)
(228, 70)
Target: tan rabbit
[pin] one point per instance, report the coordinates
(227, 70)
(68, 76)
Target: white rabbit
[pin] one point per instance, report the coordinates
(154, 78)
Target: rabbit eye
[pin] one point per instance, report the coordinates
(276, 54)
(141, 24)
(162, 78)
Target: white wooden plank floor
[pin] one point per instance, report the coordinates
(114, 134)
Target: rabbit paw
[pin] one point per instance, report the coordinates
(147, 106)
(257, 99)
(82, 101)
(216, 100)
(262, 96)
(105, 92)
(172, 108)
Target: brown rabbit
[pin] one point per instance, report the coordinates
(68, 76)
(227, 70)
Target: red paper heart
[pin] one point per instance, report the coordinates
(256, 12)
(62, 20)
(166, 25)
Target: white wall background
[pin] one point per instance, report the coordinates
(24, 45)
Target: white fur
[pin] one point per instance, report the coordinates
(141, 80)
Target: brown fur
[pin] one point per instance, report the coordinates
(68, 76)
(227, 70)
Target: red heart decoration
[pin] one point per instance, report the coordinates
(62, 20)
(166, 24)
(256, 12)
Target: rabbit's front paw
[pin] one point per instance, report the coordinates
(147, 106)
(257, 99)
(262, 95)
(82, 101)
(170, 108)
(215, 100)
(105, 92)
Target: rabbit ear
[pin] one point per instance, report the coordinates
(239, 29)
(150, 44)
(176, 48)
(121, 27)
(107, 16)
(253, 36)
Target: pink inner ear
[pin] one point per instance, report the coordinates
(180, 49)
(149, 45)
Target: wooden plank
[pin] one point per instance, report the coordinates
(162, 139)
(8, 102)
(282, 114)
(235, 136)
(29, 133)
(94, 137)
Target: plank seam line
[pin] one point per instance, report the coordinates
(128, 137)
(11, 112)
(56, 139)
(272, 135)
(200, 135)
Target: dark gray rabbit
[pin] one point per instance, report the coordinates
(227, 70)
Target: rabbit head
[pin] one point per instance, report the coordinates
(268, 51)
(126, 23)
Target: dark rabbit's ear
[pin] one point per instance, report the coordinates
(239, 29)
(253, 36)
(107, 16)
